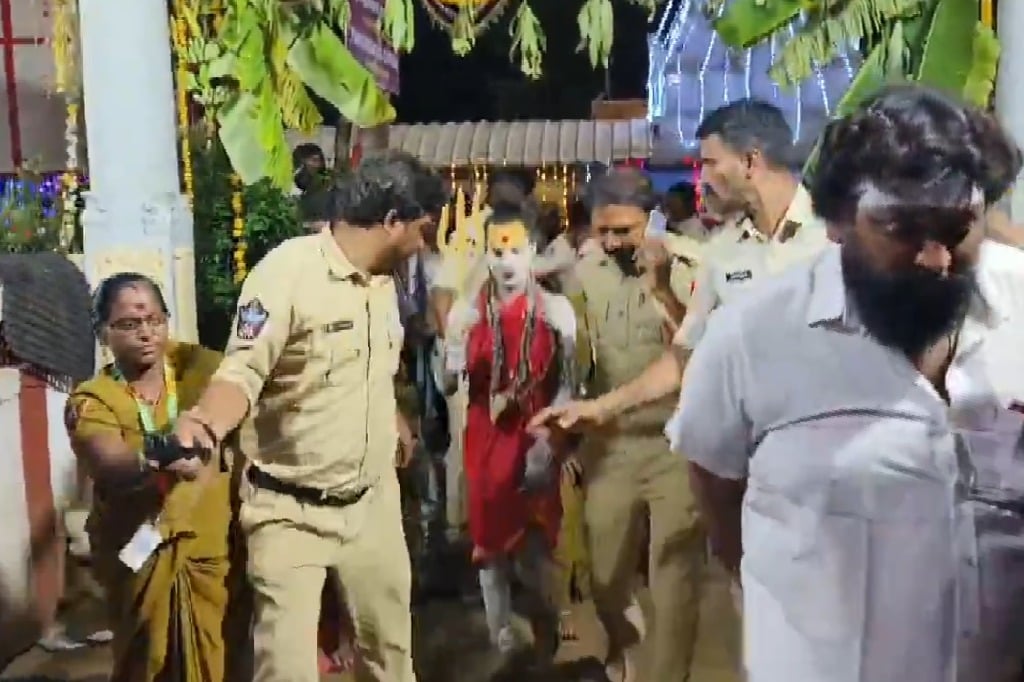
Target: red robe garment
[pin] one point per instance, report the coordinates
(495, 453)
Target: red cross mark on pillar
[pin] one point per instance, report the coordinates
(8, 41)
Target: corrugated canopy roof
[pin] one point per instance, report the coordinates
(515, 143)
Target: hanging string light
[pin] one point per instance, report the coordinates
(565, 198)
(238, 229)
(181, 39)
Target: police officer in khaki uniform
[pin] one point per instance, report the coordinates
(635, 293)
(746, 149)
(310, 368)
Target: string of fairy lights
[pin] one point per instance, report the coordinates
(684, 35)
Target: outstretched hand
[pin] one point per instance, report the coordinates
(574, 416)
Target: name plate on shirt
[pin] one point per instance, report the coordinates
(337, 326)
(738, 276)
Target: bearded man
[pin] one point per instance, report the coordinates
(862, 415)
(516, 345)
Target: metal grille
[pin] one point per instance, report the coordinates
(47, 317)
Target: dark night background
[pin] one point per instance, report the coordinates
(438, 86)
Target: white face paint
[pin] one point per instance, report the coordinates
(510, 268)
(509, 257)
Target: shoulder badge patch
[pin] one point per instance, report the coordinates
(252, 318)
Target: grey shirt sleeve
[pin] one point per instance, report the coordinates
(711, 427)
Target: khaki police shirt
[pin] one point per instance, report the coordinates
(739, 257)
(627, 330)
(315, 348)
(695, 229)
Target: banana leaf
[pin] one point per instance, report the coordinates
(746, 22)
(324, 63)
(915, 33)
(243, 124)
(981, 79)
(949, 46)
(869, 79)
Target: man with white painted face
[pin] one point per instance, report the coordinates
(864, 416)
(516, 345)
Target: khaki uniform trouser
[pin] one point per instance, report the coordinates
(293, 548)
(696, 630)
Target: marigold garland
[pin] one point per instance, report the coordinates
(69, 183)
(238, 229)
(181, 45)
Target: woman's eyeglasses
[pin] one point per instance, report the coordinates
(134, 324)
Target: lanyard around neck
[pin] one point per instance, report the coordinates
(146, 418)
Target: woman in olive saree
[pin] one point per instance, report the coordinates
(162, 540)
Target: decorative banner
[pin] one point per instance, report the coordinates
(367, 46)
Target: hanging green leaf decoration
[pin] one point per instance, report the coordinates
(819, 41)
(528, 40)
(596, 22)
(463, 31)
(398, 24)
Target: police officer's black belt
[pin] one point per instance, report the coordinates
(301, 493)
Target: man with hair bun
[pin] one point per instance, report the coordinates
(310, 370)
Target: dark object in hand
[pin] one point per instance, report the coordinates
(564, 442)
(166, 449)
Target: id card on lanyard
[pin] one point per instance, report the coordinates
(147, 538)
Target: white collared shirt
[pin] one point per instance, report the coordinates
(739, 258)
(861, 542)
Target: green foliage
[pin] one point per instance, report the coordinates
(936, 42)
(940, 43)
(271, 216)
(252, 64)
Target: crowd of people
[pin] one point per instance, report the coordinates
(798, 412)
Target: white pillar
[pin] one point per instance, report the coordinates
(136, 217)
(1009, 93)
